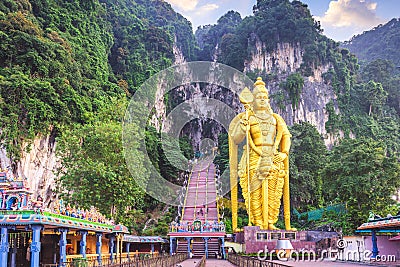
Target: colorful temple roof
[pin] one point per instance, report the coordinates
(384, 223)
(18, 208)
(26, 217)
(119, 228)
(143, 239)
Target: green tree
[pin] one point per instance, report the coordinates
(210, 38)
(359, 173)
(222, 158)
(376, 96)
(307, 158)
(179, 150)
(294, 86)
(383, 71)
(378, 70)
(232, 52)
(379, 43)
(94, 171)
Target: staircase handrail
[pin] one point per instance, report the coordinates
(202, 262)
(186, 193)
(206, 204)
(206, 227)
(217, 197)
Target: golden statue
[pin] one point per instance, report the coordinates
(264, 167)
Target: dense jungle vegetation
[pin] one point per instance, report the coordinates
(68, 68)
(382, 42)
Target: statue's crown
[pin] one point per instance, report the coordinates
(259, 86)
(259, 82)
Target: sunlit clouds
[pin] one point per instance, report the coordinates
(194, 6)
(185, 5)
(199, 12)
(206, 8)
(350, 17)
(203, 12)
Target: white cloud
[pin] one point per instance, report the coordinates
(358, 14)
(206, 8)
(185, 5)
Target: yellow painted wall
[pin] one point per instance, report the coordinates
(90, 243)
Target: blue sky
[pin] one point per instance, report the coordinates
(340, 19)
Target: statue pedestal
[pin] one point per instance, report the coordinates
(256, 239)
(254, 233)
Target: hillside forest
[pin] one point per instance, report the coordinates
(69, 68)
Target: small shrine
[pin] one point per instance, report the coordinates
(15, 194)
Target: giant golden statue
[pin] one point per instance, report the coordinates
(264, 167)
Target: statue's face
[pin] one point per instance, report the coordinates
(261, 101)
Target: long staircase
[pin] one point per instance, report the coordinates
(199, 220)
(201, 195)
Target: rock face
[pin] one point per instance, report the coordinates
(39, 163)
(212, 107)
(286, 59)
(312, 105)
(178, 54)
(38, 166)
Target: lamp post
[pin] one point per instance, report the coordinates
(283, 248)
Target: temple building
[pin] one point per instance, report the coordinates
(34, 236)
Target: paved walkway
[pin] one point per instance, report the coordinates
(188, 263)
(209, 263)
(218, 263)
(336, 264)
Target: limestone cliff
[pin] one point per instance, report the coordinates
(38, 162)
(160, 108)
(212, 108)
(278, 65)
(316, 94)
(37, 165)
(179, 58)
(285, 58)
